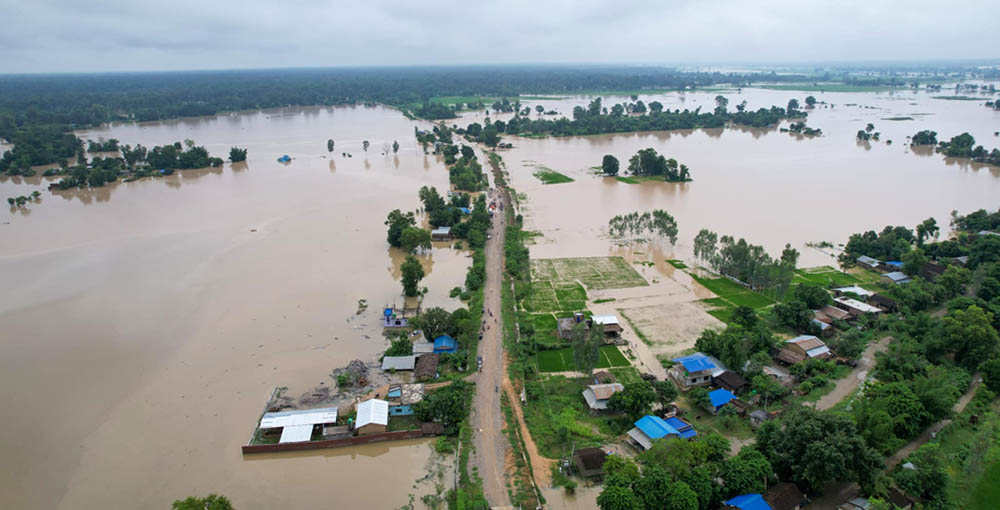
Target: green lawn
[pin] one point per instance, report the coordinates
(677, 263)
(734, 293)
(561, 360)
(825, 276)
(987, 491)
(549, 176)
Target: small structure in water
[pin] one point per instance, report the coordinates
(285, 159)
(392, 319)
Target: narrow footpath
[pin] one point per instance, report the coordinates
(847, 385)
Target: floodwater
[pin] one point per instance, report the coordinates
(769, 187)
(146, 323)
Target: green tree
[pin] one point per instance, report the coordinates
(810, 101)
(413, 272)
(666, 392)
(635, 400)
(747, 472)
(970, 335)
(210, 502)
(914, 261)
(794, 314)
(616, 497)
(813, 296)
(395, 146)
(490, 136)
(434, 322)
(927, 229)
(990, 370)
(586, 346)
(813, 447)
(329, 145)
(237, 154)
(414, 237)
(397, 222)
(793, 104)
(680, 497)
(699, 398)
(400, 347)
(448, 406)
(539, 109)
(609, 165)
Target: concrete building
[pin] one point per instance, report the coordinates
(694, 370)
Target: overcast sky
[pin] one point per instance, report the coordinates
(121, 35)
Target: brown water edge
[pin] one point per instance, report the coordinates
(147, 322)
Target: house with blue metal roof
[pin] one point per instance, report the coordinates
(719, 398)
(694, 370)
(748, 502)
(650, 428)
(445, 344)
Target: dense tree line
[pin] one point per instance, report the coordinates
(964, 146)
(647, 162)
(102, 145)
(658, 223)
(747, 263)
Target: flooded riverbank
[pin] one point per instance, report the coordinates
(147, 322)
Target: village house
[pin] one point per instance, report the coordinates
(402, 398)
(854, 307)
(784, 496)
(441, 234)
(867, 262)
(609, 322)
(398, 363)
(854, 289)
(896, 277)
(746, 502)
(589, 462)
(391, 320)
(694, 370)
(597, 395)
(719, 398)
(825, 329)
(420, 347)
(731, 381)
(832, 313)
(445, 344)
(802, 347)
(650, 428)
(931, 270)
(372, 417)
(887, 305)
(426, 367)
(297, 426)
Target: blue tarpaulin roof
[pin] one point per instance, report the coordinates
(654, 427)
(684, 429)
(749, 502)
(720, 397)
(445, 343)
(465, 210)
(695, 362)
(895, 263)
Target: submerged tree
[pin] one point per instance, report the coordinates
(364, 145)
(659, 223)
(237, 154)
(609, 165)
(413, 272)
(329, 145)
(395, 146)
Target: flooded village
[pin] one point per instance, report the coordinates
(238, 329)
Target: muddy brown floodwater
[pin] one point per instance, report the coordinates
(145, 324)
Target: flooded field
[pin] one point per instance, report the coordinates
(146, 323)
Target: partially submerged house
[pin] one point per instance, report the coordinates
(426, 367)
(398, 362)
(896, 277)
(784, 496)
(391, 320)
(441, 234)
(747, 502)
(445, 344)
(719, 398)
(854, 307)
(867, 262)
(650, 428)
(297, 426)
(372, 417)
(589, 462)
(598, 395)
(694, 370)
(731, 381)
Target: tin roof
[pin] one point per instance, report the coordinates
(695, 363)
(807, 342)
(372, 411)
(298, 417)
(398, 362)
(296, 434)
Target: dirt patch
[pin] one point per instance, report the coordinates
(670, 328)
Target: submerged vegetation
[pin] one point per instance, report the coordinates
(658, 223)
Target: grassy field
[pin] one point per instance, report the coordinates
(594, 272)
(825, 276)
(545, 297)
(549, 176)
(960, 98)
(562, 360)
(556, 402)
(734, 293)
(677, 263)
(987, 491)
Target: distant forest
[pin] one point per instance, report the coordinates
(37, 110)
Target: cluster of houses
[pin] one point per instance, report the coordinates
(424, 358)
(892, 271)
(851, 303)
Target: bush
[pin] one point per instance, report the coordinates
(444, 445)
(455, 292)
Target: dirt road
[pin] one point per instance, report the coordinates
(850, 383)
(487, 418)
